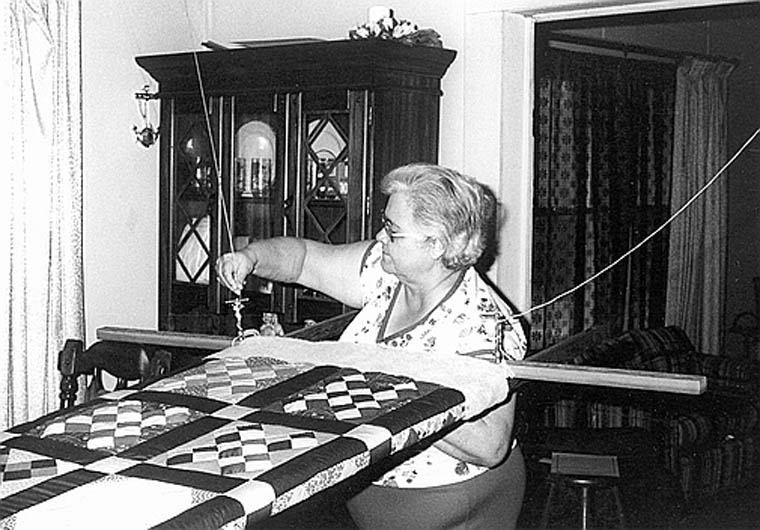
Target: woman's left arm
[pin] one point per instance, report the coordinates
(487, 439)
(484, 441)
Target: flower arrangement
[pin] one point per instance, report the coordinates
(387, 27)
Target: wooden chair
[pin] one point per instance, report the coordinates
(128, 363)
(133, 362)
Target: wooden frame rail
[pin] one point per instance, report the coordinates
(176, 339)
(609, 377)
(534, 368)
(328, 329)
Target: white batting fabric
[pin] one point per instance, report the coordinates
(483, 384)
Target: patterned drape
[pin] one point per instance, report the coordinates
(602, 180)
(696, 281)
(41, 295)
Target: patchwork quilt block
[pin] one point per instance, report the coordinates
(219, 445)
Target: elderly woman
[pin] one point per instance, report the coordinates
(418, 289)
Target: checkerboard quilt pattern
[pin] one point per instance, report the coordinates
(352, 395)
(226, 443)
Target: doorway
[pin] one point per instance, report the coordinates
(725, 31)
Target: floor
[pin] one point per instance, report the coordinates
(653, 508)
(734, 510)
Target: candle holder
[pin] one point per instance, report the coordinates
(148, 134)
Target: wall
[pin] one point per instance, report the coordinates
(742, 41)
(120, 175)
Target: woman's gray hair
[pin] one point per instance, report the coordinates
(456, 207)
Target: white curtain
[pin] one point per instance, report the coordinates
(41, 295)
(697, 257)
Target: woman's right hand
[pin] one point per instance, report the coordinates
(232, 269)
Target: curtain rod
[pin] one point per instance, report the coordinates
(612, 52)
(628, 51)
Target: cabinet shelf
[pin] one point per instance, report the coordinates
(333, 202)
(248, 199)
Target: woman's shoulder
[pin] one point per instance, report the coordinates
(485, 307)
(372, 255)
(375, 281)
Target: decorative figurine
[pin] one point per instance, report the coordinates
(237, 306)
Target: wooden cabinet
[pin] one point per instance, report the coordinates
(280, 140)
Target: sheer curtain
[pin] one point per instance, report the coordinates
(696, 278)
(41, 295)
(602, 184)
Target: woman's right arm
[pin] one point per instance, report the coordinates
(330, 269)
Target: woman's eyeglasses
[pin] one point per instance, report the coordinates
(394, 235)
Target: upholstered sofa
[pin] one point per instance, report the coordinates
(707, 442)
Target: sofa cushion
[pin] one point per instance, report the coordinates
(643, 349)
(610, 352)
(683, 363)
(733, 376)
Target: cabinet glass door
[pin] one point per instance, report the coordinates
(193, 182)
(326, 193)
(326, 186)
(225, 191)
(256, 187)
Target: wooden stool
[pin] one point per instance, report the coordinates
(589, 473)
(587, 485)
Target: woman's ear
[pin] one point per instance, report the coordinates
(436, 248)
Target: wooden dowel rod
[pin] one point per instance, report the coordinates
(165, 338)
(609, 377)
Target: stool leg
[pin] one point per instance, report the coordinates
(584, 507)
(619, 505)
(548, 506)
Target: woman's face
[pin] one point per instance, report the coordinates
(407, 251)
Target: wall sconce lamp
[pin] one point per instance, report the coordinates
(148, 135)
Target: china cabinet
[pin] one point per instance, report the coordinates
(287, 139)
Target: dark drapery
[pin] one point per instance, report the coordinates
(604, 128)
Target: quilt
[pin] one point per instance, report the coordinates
(250, 432)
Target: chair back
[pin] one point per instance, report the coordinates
(126, 363)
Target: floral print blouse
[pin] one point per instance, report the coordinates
(462, 323)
